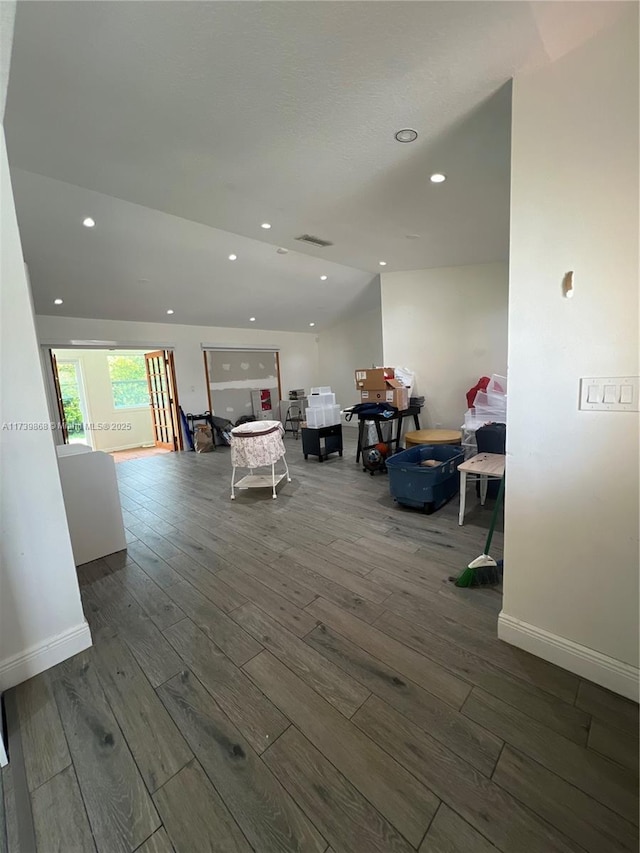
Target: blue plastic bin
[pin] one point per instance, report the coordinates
(425, 488)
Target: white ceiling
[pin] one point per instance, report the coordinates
(186, 265)
(227, 115)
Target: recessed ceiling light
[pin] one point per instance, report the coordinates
(233, 257)
(323, 278)
(57, 301)
(412, 236)
(266, 225)
(407, 135)
(382, 263)
(281, 251)
(312, 324)
(169, 310)
(437, 178)
(252, 319)
(88, 222)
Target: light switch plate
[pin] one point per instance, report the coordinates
(610, 394)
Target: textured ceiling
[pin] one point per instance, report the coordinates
(228, 114)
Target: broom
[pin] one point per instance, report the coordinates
(484, 570)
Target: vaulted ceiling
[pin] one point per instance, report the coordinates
(181, 127)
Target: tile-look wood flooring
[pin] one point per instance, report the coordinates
(298, 676)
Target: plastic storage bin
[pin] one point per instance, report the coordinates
(315, 417)
(321, 389)
(322, 416)
(425, 488)
(469, 443)
(317, 400)
(333, 415)
(498, 384)
(494, 409)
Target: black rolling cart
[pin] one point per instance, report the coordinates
(322, 441)
(398, 418)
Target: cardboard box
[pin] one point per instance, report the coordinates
(373, 378)
(395, 394)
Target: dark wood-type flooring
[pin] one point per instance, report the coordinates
(298, 676)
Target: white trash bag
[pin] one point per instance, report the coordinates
(407, 377)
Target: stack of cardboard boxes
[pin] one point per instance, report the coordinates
(379, 385)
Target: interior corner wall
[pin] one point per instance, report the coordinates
(449, 326)
(572, 510)
(298, 350)
(41, 618)
(353, 342)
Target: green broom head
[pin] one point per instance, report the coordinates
(483, 571)
(465, 579)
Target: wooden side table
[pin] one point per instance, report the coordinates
(433, 436)
(484, 465)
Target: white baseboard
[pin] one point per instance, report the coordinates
(621, 678)
(20, 667)
(135, 446)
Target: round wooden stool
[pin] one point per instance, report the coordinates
(433, 436)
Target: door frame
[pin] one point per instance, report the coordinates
(46, 359)
(59, 427)
(82, 394)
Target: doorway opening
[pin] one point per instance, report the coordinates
(73, 397)
(243, 382)
(120, 401)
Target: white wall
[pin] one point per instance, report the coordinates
(7, 19)
(448, 325)
(571, 531)
(298, 351)
(355, 341)
(41, 618)
(94, 368)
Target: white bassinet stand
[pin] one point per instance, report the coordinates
(255, 445)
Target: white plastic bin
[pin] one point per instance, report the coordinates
(332, 415)
(321, 389)
(322, 416)
(496, 400)
(315, 417)
(472, 420)
(492, 408)
(498, 384)
(317, 400)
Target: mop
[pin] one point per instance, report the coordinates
(484, 570)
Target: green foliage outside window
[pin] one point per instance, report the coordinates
(70, 398)
(128, 381)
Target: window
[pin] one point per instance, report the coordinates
(128, 381)
(71, 395)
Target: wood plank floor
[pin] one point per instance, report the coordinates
(299, 676)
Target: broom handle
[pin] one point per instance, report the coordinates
(494, 516)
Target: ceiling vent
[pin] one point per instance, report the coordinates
(314, 241)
